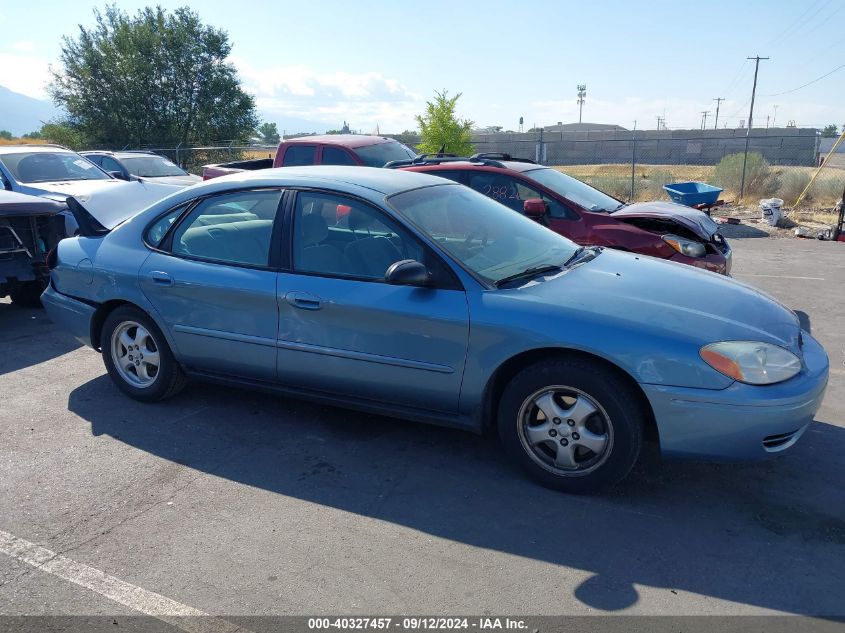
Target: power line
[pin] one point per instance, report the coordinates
(800, 21)
(809, 83)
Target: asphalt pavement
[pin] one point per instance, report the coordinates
(230, 502)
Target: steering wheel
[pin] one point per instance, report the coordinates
(478, 231)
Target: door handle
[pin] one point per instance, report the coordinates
(303, 300)
(160, 278)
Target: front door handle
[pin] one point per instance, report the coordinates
(160, 278)
(303, 300)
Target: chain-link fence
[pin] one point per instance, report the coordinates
(635, 165)
(193, 158)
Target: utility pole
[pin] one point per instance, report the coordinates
(756, 59)
(704, 119)
(661, 122)
(582, 93)
(775, 117)
(718, 101)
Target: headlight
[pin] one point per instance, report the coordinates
(751, 362)
(690, 248)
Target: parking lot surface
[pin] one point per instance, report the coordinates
(232, 502)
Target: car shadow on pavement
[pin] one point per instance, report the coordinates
(28, 337)
(770, 534)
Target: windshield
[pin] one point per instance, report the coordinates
(151, 167)
(486, 237)
(380, 153)
(574, 190)
(30, 167)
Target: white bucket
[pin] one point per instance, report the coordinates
(770, 209)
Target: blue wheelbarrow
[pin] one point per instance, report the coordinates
(698, 195)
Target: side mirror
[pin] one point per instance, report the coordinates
(407, 272)
(534, 208)
(118, 174)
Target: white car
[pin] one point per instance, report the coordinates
(141, 165)
(55, 172)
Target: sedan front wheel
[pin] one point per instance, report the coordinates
(574, 425)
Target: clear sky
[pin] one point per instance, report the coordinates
(375, 63)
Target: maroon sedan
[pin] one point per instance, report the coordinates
(584, 214)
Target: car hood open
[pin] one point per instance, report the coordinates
(109, 201)
(693, 220)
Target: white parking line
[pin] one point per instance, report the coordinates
(147, 602)
(778, 276)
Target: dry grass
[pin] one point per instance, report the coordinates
(23, 141)
(649, 180)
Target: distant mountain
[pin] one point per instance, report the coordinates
(21, 114)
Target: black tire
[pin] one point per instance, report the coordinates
(169, 378)
(28, 294)
(619, 417)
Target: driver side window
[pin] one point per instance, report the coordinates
(339, 236)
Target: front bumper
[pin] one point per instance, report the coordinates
(742, 422)
(68, 313)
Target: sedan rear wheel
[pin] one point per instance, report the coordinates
(572, 424)
(137, 357)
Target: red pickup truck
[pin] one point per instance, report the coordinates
(329, 149)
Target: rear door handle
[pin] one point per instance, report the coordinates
(303, 300)
(160, 278)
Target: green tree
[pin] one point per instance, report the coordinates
(440, 127)
(269, 133)
(6, 134)
(63, 134)
(34, 135)
(155, 77)
(830, 131)
(408, 137)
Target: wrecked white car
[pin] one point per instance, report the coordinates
(55, 172)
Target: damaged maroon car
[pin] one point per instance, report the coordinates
(584, 214)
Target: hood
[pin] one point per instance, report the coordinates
(109, 201)
(176, 181)
(648, 295)
(692, 219)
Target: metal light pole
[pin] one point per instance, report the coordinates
(756, 59)
(582, 93)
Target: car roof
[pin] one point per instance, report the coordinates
(345, 140)
(119, 154)
(386, 181)
(475, 166)
(25, 149)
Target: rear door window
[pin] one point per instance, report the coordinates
(336, 156)
(296, 155)
(234, 228)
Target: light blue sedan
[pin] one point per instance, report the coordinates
(406, 295)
